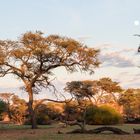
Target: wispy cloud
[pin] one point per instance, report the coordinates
(128, 77)
(120, 58)
(116, 60)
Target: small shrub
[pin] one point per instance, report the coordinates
(43, 120)
(3, 108)
(103, 115)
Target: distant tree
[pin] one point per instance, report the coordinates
(33, 58)
(97, 91)
(130, 100)
(106, 91)
(18, 110)
(80, 89)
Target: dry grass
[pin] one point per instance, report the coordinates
(11, 132)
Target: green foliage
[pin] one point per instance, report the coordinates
(42, 116)
(71, 111)
(104, 115)
(43, 120)
(3, 106)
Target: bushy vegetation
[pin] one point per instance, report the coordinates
(42, 115)
(103, 115)
(18, 110)
(43, 120)
(3, 107)
(71, 111)
(130, 100)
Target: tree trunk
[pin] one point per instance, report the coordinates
(136, 131)
(31, 110)
(32, 115)
(84, 120)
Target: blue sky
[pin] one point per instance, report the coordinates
(104, 24)
(104, 20)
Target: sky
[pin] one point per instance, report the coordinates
(108, 25)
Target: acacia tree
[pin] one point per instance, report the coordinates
(106, 90)
(33, 57)
(130, 100)
(97, 91)
(94, 91)
(81, 91)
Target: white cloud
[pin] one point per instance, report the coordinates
(9, 82)
(120, 58)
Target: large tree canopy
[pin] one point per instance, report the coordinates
(33, 57)
(98, 90)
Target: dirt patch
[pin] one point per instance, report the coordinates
(14, 134)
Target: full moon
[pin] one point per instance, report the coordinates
(136, 23)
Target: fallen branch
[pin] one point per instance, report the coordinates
(112, 129)
(100, 130)
(136, 131)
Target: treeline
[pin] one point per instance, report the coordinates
(94, 102)
(49, 112)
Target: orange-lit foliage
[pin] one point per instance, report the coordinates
(33, 57)
(18, 110)
(100, 91)
(130, 101)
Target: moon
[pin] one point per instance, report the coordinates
(136, 23)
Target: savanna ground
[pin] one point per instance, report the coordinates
(49, 132)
